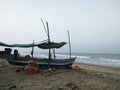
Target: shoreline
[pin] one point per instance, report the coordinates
(96, 65)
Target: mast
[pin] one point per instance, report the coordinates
(48, 35)
(44, 27)
(69, 44)
(48, 40)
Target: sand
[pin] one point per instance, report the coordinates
(80, 77)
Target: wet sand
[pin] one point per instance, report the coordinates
(80, 77)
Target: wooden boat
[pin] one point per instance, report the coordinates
(42, 62)
(16, 59)
(45, 62)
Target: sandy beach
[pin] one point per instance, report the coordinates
(80, 77)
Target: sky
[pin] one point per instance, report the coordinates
(94, 25)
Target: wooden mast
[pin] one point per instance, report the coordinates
(69, 44)
(48, 40)
(48, 35)
(44, 27)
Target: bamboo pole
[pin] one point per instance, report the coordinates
(54, 53)
(49, 45)
(47, 32)
(69, 44)
(44, 27)
(32, 52)
(48, 41)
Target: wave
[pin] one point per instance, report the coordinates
(84, 57)
(110, 60)
(65, 56)
(62, 55)
(79, 57)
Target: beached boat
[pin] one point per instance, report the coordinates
(45, 62)
(16, 59)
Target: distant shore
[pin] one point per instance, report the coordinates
(80, 77)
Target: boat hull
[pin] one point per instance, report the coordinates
(45, 63)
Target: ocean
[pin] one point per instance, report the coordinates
(109, 60)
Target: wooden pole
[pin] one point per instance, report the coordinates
(69, 44)
(44, 27)
(32, 52)
(54, 53)
(49, 45)
(48, 35)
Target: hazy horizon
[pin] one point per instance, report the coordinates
(94, 25)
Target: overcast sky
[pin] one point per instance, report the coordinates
(94, 25)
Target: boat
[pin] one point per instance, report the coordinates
(45, 62)
(16, 59)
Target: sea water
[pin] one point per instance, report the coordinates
(109, 60)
